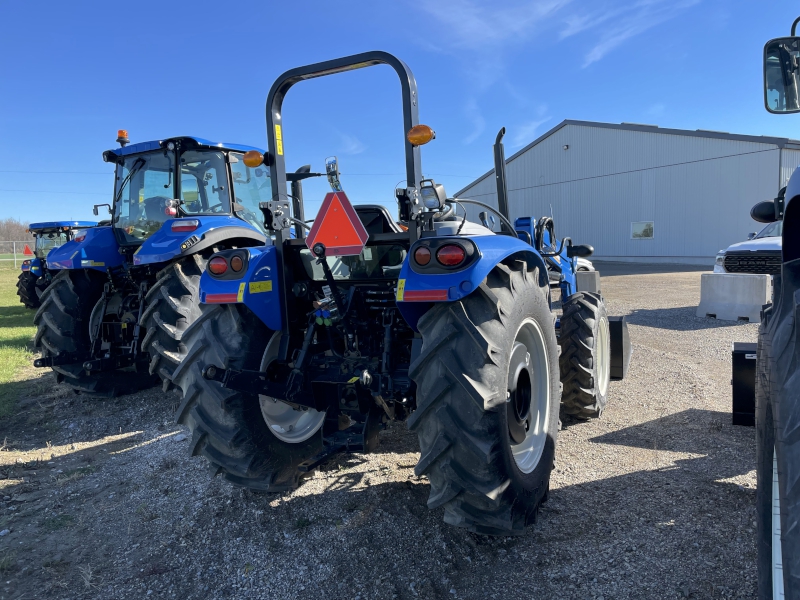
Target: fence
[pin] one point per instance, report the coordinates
(14, 253)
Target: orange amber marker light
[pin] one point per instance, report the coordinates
(420, 135)
(253, 158)
(123, 133)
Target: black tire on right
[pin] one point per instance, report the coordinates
(26, 290)
(582, 397)
(778, 430)
(461, 417)
(227, 426)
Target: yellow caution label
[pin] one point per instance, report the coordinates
(352, 380)
(278, 140)
(240, 295)
(257, 287)
(401, 286)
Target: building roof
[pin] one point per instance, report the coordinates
(702, 133)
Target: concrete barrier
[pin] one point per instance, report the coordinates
(729, 297)
(587, 281)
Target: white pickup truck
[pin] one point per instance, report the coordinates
(761, 253)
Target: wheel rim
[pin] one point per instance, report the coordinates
(603, 353)
(285, 423)
(777, 559)
(528, 453)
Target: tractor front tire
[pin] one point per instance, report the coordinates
(777, 442)
(227, 426)
(62, 323)
(585, 360)
(467, 414)
(26, 290)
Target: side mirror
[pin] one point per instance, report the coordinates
(751, 235)
(96, 206)
(332, 171)
(582, 250)
(782, 75)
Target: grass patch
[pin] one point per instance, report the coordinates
(58, 522)
(16, 333)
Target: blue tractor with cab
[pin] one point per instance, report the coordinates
(310, 344)
(35, 276)
(123, 295)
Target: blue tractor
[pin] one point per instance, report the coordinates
(312, 343)
(35, 276)
(778, 358)
(113, 318)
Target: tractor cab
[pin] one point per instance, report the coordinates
(182, 178)
(54, 234)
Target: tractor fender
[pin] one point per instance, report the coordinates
(98, 250)
(426, 289)
(165, 244)
(35, 266)
(256, 288)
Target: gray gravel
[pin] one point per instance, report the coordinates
(655, 500)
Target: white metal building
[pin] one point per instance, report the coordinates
(643, 193)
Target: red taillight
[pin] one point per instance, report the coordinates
(171, 212)
(80, 238)
(422, 255)
(237, 263)
(217, 265)
(185, 225)
(451, 255)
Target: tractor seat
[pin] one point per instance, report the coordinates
(154, 208)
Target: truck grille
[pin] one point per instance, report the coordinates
(766, 262)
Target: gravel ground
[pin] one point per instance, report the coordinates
(654, 500)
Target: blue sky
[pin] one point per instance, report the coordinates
(71, 74)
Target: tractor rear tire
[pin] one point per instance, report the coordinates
(487, 483)
(777, 442)
(585, 360)
(26, 290)
(62, 323)
(227, 426)
(171, 305)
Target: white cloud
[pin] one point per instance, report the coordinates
(473, 113)
(526, 132)
(625, 23)
(351, 144)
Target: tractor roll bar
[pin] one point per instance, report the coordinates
(330, 67)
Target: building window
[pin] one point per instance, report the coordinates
(642, 230)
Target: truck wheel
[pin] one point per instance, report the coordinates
(253, 441)
(171, 305)
(778, 446)
(62, 323)
(26, 290)
(487, 402)
(585, 360)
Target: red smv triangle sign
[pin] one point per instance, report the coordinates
(26, 251)
(338, 227)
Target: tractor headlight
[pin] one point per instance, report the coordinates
(432, 194)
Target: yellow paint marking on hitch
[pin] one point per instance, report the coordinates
(240, 295)
(352, 380)
(257, 287)
(401, 287)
